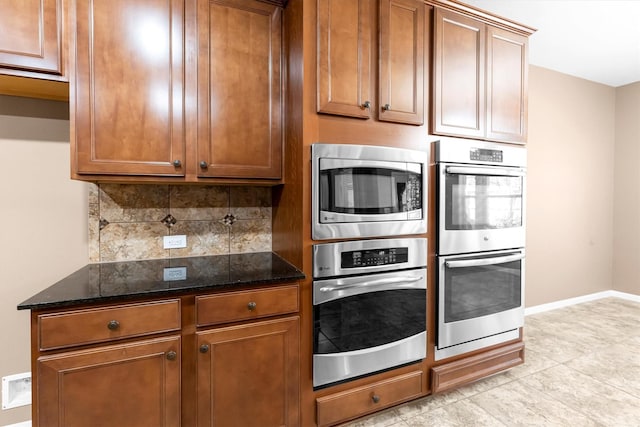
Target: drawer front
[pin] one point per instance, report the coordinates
(235, 306)
(350, 404)
(77, 327)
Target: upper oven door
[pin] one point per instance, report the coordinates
(480, 208)
(479, 296)
(365, 191)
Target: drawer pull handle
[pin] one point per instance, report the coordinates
(251, 306)
(172, 355)
(113, 325)
(375, 398)
(204, 348)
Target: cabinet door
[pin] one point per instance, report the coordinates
(402, 61)
(344, 57)
(127, 89)
(239, 89)
(136, 384)
(506, 85)
(248, 375)
(459, 73)
(31, 35)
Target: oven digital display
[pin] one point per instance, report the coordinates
(486, 155)
(372, 257)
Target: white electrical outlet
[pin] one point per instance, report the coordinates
(16, 390)
(175, 242)
(171, 274)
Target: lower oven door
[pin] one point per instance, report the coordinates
(366, 324)
(480, 297)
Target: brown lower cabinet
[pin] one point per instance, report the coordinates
(167, 362)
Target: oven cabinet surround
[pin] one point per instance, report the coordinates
(207, 359)
(32, 56)
(480, 79)
(184, 91)
(346, 54)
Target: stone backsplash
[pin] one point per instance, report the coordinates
(128, 222)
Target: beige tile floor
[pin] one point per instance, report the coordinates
(582, 368)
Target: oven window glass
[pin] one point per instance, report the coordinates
(369, 190)
(480, 202)
(368, 320)
(472, 292)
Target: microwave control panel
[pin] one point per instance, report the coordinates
(486, 155)
(374, 257)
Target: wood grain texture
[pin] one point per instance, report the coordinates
(250, 375)
(132, 384)
(507, 82)
(239, 89)
(31, 37)
(344, 58)
(401, 59)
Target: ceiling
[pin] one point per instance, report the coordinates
(598, 40)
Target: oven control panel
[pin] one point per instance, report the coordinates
(374, 257)
(486, 155)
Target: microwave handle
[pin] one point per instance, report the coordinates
(461, 170)
(378, 282)
(483, 261)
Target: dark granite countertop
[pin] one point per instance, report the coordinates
(117, 281)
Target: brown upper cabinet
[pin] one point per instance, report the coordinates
(345, 75)
(480, 79)
(181, 92)
(31, 42)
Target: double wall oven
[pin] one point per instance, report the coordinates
(369, 295)
(481, 239)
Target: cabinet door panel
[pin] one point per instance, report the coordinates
(506, 85)
(239, 89)
(118, 386)
(129, 99)
(31, 35)
(459, 85)
(344, 57)
(250, 375)
(401, 61)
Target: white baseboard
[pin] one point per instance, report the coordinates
(577, 300)
(22, 424)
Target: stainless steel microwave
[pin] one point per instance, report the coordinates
(367, 191)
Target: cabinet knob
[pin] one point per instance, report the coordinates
(172, 355)
(375, 398)
(204, 348)
(177, 163)
(252, 306)
(204, 165)
(386, 107)
(113, 325)
(366, 105)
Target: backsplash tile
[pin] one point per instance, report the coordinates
(128, 222)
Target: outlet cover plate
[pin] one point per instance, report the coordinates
(175, 242)
(16, 390)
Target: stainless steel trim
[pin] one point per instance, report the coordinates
(333, 289)
(455, 333)
(468, 241)
(329, 368)
(494, 171)
(359, 226)
(443, 353)
(327, 256)
(483, 261)
(330, 163)
(456, 150)
(391, 283)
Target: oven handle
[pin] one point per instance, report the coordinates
(483, 261)
(461, 170)
(379, 282)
